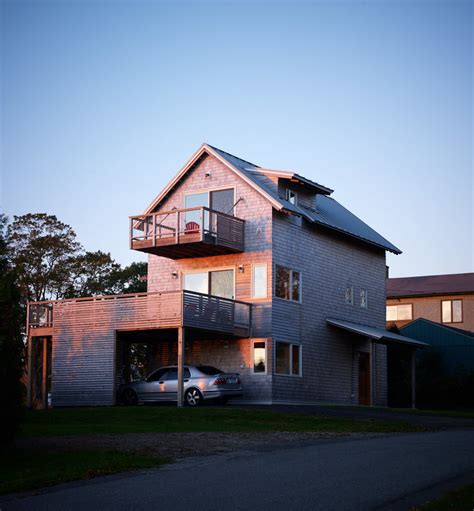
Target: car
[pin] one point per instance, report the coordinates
(200, 383)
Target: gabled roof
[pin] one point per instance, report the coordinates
(429, 285)
(437, 333)
(329, 213)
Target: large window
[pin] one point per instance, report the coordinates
(451, 311)
(217, 200)
(259, 280)
(259, 357)
(218, 283)
(400, 312)
(288, 359)
(287, 284)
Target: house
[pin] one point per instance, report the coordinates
(252, 270)
(445, 299)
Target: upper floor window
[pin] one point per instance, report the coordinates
(349, 295)
(259, 280)
(218, 283)
(288, 359)
(287, 284)
(400, 312)
(364, 298)
(291, 196)
(451, 311)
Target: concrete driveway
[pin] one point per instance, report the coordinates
(388, 472)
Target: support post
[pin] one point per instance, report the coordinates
(371, 372)
(44, 376)
(413, 378)
(29, 386)
(180, 366)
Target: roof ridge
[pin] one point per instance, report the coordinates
(234, 156)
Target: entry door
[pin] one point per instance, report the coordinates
(364, 378)
(222, 201)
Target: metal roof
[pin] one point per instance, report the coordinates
(377, 334)
(329, 212)
(430, 285)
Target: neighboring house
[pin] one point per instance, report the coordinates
(446, 299)
(251, 270)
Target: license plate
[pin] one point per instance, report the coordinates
(231, 380)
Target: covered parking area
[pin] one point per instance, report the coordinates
(381, 336)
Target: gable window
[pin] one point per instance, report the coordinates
(259, 280)
(287, 283)
(259, 357)
(451, 311)
(218, 283)
(364, 298)
(400, 312)
(288, 359)
(291, 196)
(350, 295)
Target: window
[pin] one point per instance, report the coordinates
(291, 196)
(451, 311)
(157, 375)
(218, 283)
(400, 312)
(350, 295)
(287, 284)
(363, 298)
(288, 359)
(259, 357)
(259, 280)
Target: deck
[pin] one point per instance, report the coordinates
(186, 233)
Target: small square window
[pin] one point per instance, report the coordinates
(451, 311)
(363, 298)
(350, 295)
(291, 196)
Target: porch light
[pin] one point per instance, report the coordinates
(174, 274)
(241, 268)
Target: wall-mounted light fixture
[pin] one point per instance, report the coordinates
(174, 274)
(241, 268)
(208, 174)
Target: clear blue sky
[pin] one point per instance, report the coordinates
(103, 102)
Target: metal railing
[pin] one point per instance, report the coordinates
(186, 225)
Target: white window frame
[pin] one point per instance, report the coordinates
(254, 265)
(208, 191)
(300, 365)
(288, 195)
(366, 306)
(291, 270)
(397, 305)
(252, 361)
(209, 270)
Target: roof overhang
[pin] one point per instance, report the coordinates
(205, 148)
(378, 335)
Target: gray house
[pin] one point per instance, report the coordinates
(252, 270)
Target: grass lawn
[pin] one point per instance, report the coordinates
(144, 419)
(467, 413)
(457, 500)
(28, 469)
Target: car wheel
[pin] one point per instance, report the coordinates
(193, 397)
(130, 398)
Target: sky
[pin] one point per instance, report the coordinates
(103, 102)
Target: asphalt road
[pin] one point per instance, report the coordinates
(390, 472)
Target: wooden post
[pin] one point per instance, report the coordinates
(180, 366)
(371, 372)
(29, 386)
(44, 376)
(177, 227)
(154, 230)
(413, 378)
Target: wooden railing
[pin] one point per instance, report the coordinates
(187, 225)
(148, 310)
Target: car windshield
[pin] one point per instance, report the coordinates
(209, 370)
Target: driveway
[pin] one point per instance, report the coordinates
(388, 472)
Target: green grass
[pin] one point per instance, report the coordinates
(78, 421)
(457, 500)
(467, 413)
(28, 469)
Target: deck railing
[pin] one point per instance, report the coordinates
(155, 310)
(186, 225)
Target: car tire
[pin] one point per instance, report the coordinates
(129, 397)
(193, 398)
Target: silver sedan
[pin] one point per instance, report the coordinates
(200, 383)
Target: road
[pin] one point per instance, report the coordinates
(391, 472)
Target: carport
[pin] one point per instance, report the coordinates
(382, 336)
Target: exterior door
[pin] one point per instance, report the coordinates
(222, 201)
(364, 378)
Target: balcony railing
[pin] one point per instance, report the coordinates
(169, 309)
(191, 232)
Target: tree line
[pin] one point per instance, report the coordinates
(42, 259)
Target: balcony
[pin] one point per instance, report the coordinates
(186, 233)
(171, 309)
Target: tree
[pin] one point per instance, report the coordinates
(131, 279)
(43, 253)
(11, 345)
